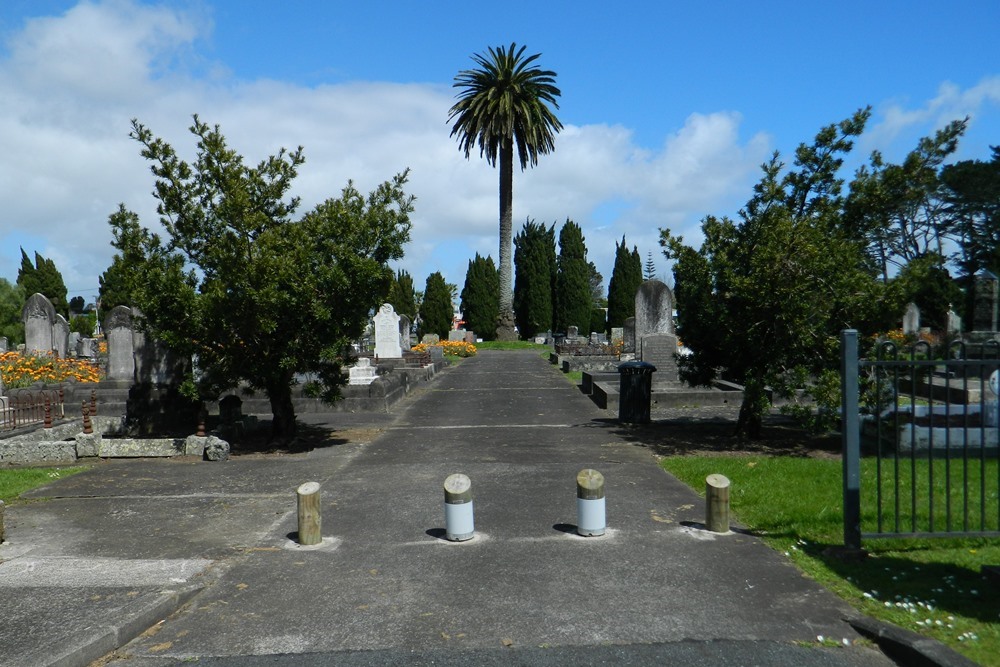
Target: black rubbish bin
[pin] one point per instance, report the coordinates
(635, 391)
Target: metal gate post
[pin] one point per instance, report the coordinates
(850, 438)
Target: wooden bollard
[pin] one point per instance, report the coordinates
(93, 402)
(717, 503)
(590, 503)
(88, 426)
(310, 520)
(459, 521)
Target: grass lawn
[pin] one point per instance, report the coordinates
(510, 345)
(934, 587)
(15, 481)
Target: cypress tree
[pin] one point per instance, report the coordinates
(626, 277)
(535, 269)
(401, 295)
(436, 311)
(43, 278)
(481, 297)
(573, 293)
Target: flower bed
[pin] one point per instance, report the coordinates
(24, 370)
(453, 347)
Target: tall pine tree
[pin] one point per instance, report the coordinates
(626, 277)
(401, 295)
(535, 269)
(480, 297)
(436, 311)
(573, 293)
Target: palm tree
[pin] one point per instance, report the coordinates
(503, 103)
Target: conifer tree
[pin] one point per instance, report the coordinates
(534, 283)
(436, 311)
(401, 295)
(481, 297)
(43, 278)
(650, 268)
(626, 277)
(573, 294)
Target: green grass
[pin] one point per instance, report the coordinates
(15, 481)
(933, 587)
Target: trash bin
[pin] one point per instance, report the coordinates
(635, 391)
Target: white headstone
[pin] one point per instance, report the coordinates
(911, 320)
(387, 344)
(118, 329)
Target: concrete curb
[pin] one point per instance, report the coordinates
(96, 642)
(906, 647)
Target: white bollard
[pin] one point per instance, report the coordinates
(590, 503)
(458, 518)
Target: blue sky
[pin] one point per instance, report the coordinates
(669, 109)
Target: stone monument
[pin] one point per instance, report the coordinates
(387, 333)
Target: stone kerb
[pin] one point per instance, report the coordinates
(387, 344)
(38, 316)
(121, 359)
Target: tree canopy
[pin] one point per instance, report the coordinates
(256, 294)
(626, 277)
(480, 297)
(402, 297)
(574, 298)
(766, 295)
(436, 310)
(535, 282)
(503, 104)
(43, 277)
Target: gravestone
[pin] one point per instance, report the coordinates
(654, 309)
(38, 316)
(628, 336)
(911, 320)
(659, 349)
(954, 325)
(387, 333)
(60, 336)
(617, 335)
(430, 339)
(598, 338)
(985, 308)
(470, 337)
(404, 333)
(154, 362)
(74, 344)
(86, 348)
(362, 372)
(4, 343)
(118, 330)
(456, 335)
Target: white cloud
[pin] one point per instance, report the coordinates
(70, 85)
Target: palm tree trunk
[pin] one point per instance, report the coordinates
(505, 319)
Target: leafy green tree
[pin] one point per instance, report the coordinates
(11, 304)
(480, 297)
(43, 278)
(649, 271)
(76, 305)
(503, 105)
(926, 282)
(119, 282)
(436, 310)
(626, 277)
(534, 286)
(256, 293)
(402, 297)
(765, 296)
(573, 293)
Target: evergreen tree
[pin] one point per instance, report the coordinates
(481, 297)
(436, 311)
(626, 277)
(402, 296)
(534, 283)
(11, 303)
(650, 269)
(43, 278)
(573, 294)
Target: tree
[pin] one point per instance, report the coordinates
(402, 297)
(534, 286)
(119, 282)
(43, 278)
(11, 304)
(76, 305)
(573, 293)
(255, 293)
(502, 105)
(765, 296)
(626, 277)
(436, 310)
(926, 282)
(649, 272)
(480, 297)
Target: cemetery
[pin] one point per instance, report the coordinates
(134, 408)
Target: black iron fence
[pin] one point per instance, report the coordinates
(26, 407)
(920, 437)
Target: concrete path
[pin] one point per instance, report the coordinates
(112, 544)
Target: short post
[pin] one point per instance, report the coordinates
(717, 503)
(48, 412)
(202, 418)
(93, 402)
(310, 520)
(88, 426)
(458, 516)
(2, 534)
(590, 508)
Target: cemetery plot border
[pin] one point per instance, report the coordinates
(930, 429)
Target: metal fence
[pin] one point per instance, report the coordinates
(920, 435)
(26, 407)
